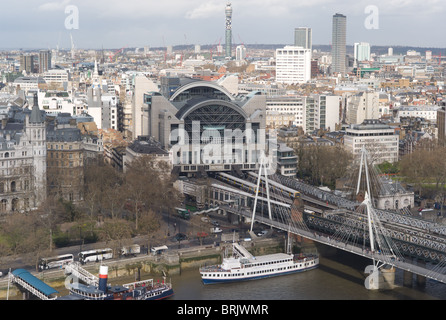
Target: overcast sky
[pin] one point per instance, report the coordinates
(139, 23)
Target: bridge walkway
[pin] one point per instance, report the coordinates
(359, 250)
(32, 284)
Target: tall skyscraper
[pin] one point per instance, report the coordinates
(44, 60)
(338, 43)
(228, 11)
(302, 37)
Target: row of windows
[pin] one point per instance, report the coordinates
(253, 273)
(56, 146)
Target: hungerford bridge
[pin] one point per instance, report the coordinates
(390, 239)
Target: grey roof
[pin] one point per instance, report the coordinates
(63, 134)
(36, 114)
(147, 147)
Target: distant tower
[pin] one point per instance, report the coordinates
(44, 60)
(338, 50)
(228, 12)
(302, 37)
(36, 132)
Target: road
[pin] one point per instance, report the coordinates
(172, 224)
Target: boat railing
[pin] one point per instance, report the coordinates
(142, 283)
(305, 258)
(213, 269)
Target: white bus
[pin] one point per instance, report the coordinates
(95, 255)
(55, 262)
(158, 250)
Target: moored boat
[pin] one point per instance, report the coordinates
(141, 290)
(243, 266)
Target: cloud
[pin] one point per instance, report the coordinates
(53, 6)
(205, 10)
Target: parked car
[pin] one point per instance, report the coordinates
(216, 230)
(180, 236)
(262, 233)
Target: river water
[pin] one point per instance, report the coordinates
(340, 276)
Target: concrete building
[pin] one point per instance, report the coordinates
(310, 113)
(284, 108)
(144, 146)
(338, 42)
(57, 77)
(286, 160)
(54, 102)
(428, 112)
(361, 106)
(303, 38)
(28, 63)
(322, 112)
(240, 53)
(380, 140)
(293, 65)
(139, 119)
(44, 60)
(361, 51)
(30, 83)
(204, 127)
(103, 107)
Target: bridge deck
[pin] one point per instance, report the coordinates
(28, 281)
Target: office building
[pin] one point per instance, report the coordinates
(361, 106)
(44, 60)
(28, 63)
(240, 53)
(362, 51)
(293, 65)
(302, 37)
(380, 141)
(339, 38)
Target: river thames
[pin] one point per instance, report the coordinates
(340, 276)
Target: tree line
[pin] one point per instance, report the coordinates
(116, 206)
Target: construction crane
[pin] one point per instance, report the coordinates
(116, 52)
(439, 58)
(72, 47)
(212, 47)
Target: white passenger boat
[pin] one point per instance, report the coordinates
(244, 266)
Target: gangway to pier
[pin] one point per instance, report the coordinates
(241, 251)
(206, 211)
(77, 271)
(32, 284)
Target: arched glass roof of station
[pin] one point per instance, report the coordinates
(201, 89)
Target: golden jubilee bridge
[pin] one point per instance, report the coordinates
(389, 238)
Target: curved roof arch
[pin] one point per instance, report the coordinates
(197, 84)
(188, 109)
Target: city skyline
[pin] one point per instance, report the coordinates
(111, 24)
